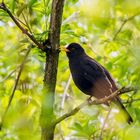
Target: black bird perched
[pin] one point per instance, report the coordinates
(91, 77)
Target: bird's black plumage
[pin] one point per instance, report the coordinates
(90, 76)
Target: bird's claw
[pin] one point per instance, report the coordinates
(89, 100)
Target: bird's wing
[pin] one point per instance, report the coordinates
(104, 85)
(114, 87)
(95, 73)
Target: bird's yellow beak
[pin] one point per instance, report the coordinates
(64, 49)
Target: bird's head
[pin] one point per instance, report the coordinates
(74, 50)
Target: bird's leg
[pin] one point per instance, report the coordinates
(89, 100)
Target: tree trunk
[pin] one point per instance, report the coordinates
(47, 114)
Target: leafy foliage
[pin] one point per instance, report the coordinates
(109, 31)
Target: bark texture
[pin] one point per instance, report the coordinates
(47, 114)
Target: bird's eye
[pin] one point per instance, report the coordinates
(72, 49)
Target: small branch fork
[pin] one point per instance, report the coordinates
(24, 30)
(94, 102)
(123, 24)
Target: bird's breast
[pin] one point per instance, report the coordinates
(79, 79)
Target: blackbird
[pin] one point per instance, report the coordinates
(91, 77)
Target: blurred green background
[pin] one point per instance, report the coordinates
(108, 30)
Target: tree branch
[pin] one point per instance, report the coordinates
(95, 102)
(14, 87)
(25, 31)
(123, 23)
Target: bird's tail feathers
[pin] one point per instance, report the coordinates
(122, 108)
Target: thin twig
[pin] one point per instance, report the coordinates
(63, 101)
(45, 12)
(105, 121)
(131, 101)
(123, 23)
(21, 22)
(10, 74)
(65, 92)
(25, 31)
(15, 86)
(131, 98)
(95, 102)
(27, 23)
(71, 17)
